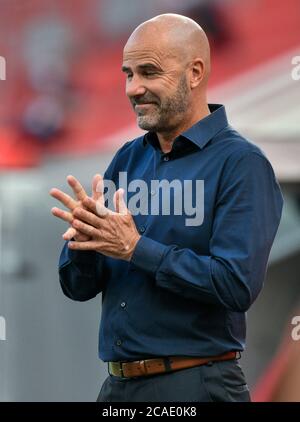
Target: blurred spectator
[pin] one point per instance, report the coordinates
(43, 118)
(47, 48)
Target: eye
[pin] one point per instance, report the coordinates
(149, 73)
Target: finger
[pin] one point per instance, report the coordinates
(115, 201)
(96, 207)
(63, 215)
(65, 199)
(119, 202)
(101, 210)
(73, 233)
(87, 217)
(77, 188)
(80, 237)
(84, 246)
(98, 188)
(69, 234)
(90, 204)
(87, 229)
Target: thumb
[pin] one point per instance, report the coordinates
(97, 188)
(119, 202)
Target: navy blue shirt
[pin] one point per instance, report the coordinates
(187, 287)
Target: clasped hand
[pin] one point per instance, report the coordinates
(93, 226)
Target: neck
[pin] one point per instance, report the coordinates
(166, 139)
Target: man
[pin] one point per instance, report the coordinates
(175, 289)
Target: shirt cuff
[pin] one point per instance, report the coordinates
(78, 257)
(148, 254)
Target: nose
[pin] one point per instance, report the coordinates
(135, 87)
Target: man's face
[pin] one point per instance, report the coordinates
(157, 88)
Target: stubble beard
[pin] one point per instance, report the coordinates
(166, 115)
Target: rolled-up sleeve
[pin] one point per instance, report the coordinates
(247, 215)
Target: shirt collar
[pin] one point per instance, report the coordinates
(201, 132)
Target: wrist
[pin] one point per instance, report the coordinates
(132, 246)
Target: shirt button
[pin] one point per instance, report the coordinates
(119, 342)
(142, 229)
(123, 304)
(166, 158)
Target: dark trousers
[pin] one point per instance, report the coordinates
(213, 382)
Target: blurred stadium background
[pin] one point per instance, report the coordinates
(63, 110)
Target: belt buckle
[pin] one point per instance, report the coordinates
(114, 367)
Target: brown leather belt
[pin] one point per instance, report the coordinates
(159, 365)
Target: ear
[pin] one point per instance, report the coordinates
(196, 73)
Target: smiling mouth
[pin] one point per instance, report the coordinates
(144, 105)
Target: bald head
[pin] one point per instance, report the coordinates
(167, 62)
(174, 35)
